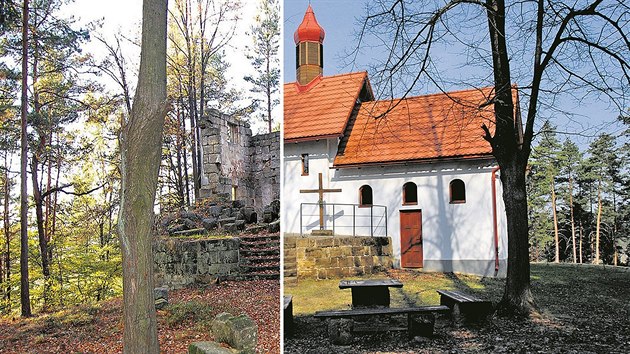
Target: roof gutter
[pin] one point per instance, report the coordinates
(312, 138)
(494, 220)
(404, 162)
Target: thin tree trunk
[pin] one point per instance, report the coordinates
(25, 298)
(7, 228)
(572, 218)
(599, 220)
(268, 62)
(555, 222)
(141, 143)
(581, 238)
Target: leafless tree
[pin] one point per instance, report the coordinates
(548, 47)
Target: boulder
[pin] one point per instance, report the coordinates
(160, 304)
(238, 204)
(274, 227)
(210, 223)
(208, 348)
(215, 210)
(249, 215)
(239, 332)
(161, 297)
(190, 215)
(275, 207)
(240, 225)
(188, 223)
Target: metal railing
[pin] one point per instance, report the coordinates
(361, 220)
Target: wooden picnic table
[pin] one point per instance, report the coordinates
(370, 292)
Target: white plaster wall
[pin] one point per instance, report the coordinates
(450, 231)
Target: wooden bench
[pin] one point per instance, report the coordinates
(465, 306)
(288, 314)
(420, 320)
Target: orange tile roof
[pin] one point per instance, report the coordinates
(321, 108)
(438, 126)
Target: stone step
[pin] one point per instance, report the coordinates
(264, 237)
(260, 259)
(259, 276)
(259, 244)
(191, 232)
(260, 251)
(289, 265)
(290, 280)
(255, 268)
(290, 273)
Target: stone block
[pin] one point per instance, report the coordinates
(274, 226)
(325, 242)
(210, 223)
(209, 348)
(239, 332)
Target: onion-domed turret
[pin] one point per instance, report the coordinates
(309, 50)
(309, 30)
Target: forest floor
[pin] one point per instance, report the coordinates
(187, 319)
(583, 309)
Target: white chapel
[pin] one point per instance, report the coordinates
(416, 170)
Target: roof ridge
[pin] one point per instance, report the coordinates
(435, 94)
(333, 76)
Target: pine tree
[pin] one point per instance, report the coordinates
(264, 57)
(542, 192)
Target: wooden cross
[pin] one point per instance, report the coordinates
(321, 192)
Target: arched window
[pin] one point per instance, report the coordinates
(457, 191)
(365, 195)
(410, 194)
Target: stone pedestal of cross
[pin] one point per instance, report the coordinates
(321, 190)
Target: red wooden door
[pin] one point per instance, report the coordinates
(411, 238)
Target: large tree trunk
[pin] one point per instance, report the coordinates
(141, 153)
(25, 298)
(517, 297)
(511, 154)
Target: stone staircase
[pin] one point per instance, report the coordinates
(259, 256)
(290, 260)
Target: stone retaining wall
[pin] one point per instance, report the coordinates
(181, 262)
(338, 256)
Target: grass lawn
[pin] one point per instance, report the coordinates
(584, 308)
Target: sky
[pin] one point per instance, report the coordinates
(340, 20)
(125, 16)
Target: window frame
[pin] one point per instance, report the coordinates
(305, 164)
(361, 203)
(457, 183)
(404, 193)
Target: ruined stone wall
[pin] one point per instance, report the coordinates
(232, 157)
(338, 256)
(181, 262)
(226, 162)
(265, 169)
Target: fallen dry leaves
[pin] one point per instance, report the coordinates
(99, 329)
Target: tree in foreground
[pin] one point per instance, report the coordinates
(550, 47)
(25, 298)
(141, 143)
